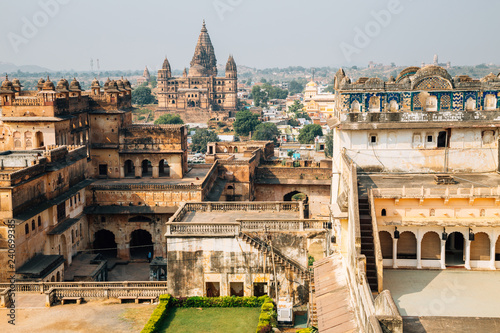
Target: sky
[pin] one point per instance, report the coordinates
(130, 34)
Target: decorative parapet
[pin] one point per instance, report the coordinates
(435, 192)
(146, 187)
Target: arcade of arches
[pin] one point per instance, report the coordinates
(152, 167)
(438, 248)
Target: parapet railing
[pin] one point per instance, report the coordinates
(41, 287)
(235, 228)
(433, 192)
(56, 293)
(186, 207)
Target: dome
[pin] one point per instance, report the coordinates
(127, 84)
(6, 85)
(120, 85)
(16, 83)
(409, 71)
(75, 85)
(40, 83)
(197, 71)
(62, 85)
(312, 84)
(106, 84)
(95, 83)
(48, 85)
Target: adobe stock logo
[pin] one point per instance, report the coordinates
(224, 6)
(30, 27)
(372, 29)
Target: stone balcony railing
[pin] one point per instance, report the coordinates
(41, 287)
(231, 229)
(186, 207)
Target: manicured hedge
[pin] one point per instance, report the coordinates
(219, 302)
(268, 316)
(158, 314)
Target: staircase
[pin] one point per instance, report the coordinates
(279, 258)
(313, 315)
(367, 246)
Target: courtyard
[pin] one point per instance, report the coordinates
(211, 320)
(444, 293)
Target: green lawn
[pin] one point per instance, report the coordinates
(211, 320)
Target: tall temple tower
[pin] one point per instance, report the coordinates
(199, 95)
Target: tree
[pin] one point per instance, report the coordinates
(302, 115)
(297, 106)
(295, 87)
(201, 138)
(260, 96)
(329, 145)
(169, 119)
(246, 122)
(293, 122)
(266, 132)
(142, 95)
(309, 132)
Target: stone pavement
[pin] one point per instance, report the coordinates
(450, 324)
(29, 301)
(436, 293)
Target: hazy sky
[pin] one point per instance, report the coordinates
(129, 34)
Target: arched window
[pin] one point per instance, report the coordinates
(17, 140)
(355, 107)
(470, 105)
(26, 229)
(39, 221)
(383, 213)
(32, 225)
(490, 102)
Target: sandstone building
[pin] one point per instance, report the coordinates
(199, 94)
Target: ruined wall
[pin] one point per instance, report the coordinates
(107, 157)
(149, 195)
(319, 195)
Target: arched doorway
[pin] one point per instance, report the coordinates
(141, 243)
(455, 249)
(64, 248)
(164, 169)
(147, 169)
(129, 168)
(298, 196)
(58, 277)
(431, 246)
(386, 244)
(407, 246)
(105, 244)
(53, 279)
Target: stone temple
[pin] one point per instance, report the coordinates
(199, 95)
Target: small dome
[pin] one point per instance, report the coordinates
(312, 84)
(95, 83)
(75, 85)
(62, 85)
(16, 83)
(127, 84)
(6, 85)
(120, 85)
(106, 84)
(48, 85)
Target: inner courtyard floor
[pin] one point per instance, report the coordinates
(438, 293)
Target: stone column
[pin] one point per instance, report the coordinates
(492, 251)
(467, 253)
(443, 254)
(156, 172)
(122, 171)
(394, 253)
(419, 250)
(301, 209)
(138, 171)
(123, 251)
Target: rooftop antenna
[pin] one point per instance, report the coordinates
(313, 74)
(91, 65)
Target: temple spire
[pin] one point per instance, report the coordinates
(204, 54)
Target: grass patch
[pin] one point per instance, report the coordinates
(137, 317)
(210, 320)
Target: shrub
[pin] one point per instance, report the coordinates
(268, 317)
(158, 315)
(267, 306)
(218, 302)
